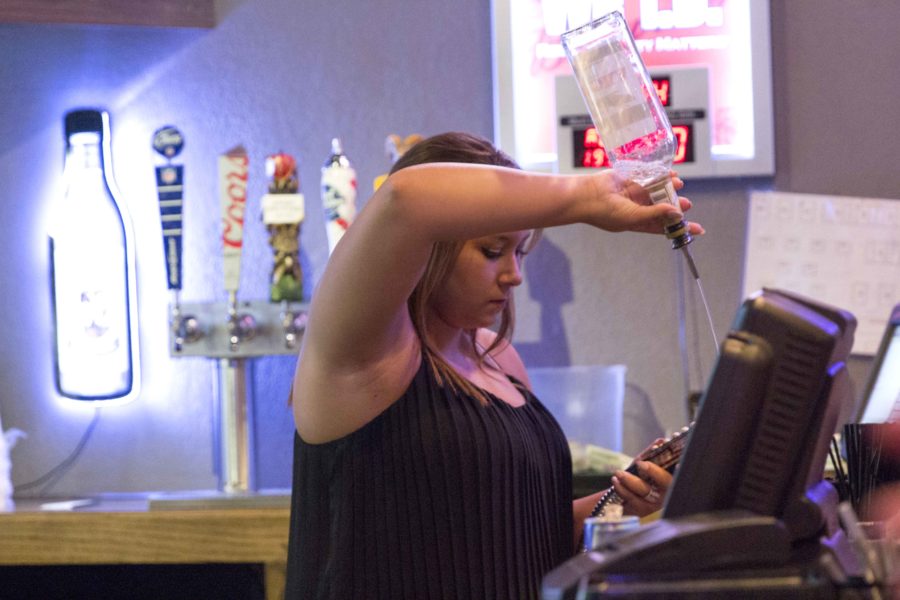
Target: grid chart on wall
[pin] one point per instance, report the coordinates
(840, 250)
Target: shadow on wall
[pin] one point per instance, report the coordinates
(640, 425)
(549, 274)
(550, 285)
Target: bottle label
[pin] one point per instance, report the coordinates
(664, 193)
(282, 209)
(168, 141)
(91, 302)
(615, 92)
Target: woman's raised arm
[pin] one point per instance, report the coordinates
(360, 336)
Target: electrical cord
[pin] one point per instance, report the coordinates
(692, 350)
(51, 477)
(682, 323)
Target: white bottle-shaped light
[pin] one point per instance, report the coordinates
(93, 271)
(626, 110)
(338, 194)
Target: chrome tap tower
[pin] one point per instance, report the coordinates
(233, 332)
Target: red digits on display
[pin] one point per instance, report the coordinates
(681, 138)
(662, 89)
(594, 155)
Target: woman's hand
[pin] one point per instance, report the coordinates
(645, 492)
(626, 206)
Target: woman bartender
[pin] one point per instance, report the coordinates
(424, 466)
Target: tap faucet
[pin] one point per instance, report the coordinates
(293, 323)
(186, 329)
(241, 327)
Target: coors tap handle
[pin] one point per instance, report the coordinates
(233, 175)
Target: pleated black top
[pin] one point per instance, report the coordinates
(437, 497)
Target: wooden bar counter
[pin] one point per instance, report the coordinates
(142, 532)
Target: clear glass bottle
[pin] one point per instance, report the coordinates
(626, 109)
(93, 271)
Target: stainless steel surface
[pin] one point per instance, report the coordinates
(231, 333)
(253, 329)
(234, 429)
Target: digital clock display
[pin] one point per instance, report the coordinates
(589, 153)
(663, 87)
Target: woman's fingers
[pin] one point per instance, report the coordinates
(654, 474)
(645, 494)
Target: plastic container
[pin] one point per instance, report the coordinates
(586, 400)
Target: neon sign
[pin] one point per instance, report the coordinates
(728, 40)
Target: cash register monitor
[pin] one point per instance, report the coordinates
(881, 397)
(767, 416)
(748, 492)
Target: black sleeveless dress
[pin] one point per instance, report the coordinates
(437, 497)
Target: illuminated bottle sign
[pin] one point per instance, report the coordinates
(93, 272)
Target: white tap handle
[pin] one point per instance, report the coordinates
(233, 175)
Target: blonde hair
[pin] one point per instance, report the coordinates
(461, 148)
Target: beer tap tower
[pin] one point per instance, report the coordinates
(234, 332)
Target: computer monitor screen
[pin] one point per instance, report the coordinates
(767, 416)
(881, 398)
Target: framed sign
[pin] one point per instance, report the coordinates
(729, 40)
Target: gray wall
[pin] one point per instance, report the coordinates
(280, 75)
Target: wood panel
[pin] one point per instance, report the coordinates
(150, 537)
(154, 13)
